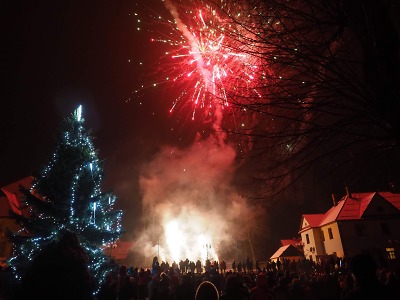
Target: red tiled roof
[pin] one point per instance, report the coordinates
(15, 186)
(394, 199)
(288, 250)
(293, 242)
(14, 195)
(279, 252)
(313, 219)
(121, 250)
(332, 214)
(351, 208)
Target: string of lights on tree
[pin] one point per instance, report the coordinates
(67, 196)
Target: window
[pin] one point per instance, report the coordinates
(322, 235)
(390, 253)
(385, 228)
(359, 229)
(307, 238)
(330, 233)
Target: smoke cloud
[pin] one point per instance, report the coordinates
(190, 208)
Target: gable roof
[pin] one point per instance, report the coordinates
(287, 251)
(394, 199)
(353, 207)
(293, 242)
(310, 220)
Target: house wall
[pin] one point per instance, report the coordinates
(371, 236)
(333, 244)
(315, 246)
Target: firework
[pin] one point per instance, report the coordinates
(209, 61)
(211, 57)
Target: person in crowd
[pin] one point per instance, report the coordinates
(234, 289)
(281, 289)
(108, 289)
(152, 287)
(261, 291)
(239, 267)
(207, 291)
(366, 284)
(124, 284)
(234, 266)
(141, 285)
(223, 266)
(192, 267)
(164, 291)
(301, 279)
(186, 290)
(59, 272)
(347, 286)
(198, 266)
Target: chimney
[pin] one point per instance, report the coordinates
(334, 200)
(347, 192)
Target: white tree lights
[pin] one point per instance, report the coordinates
(70, 199)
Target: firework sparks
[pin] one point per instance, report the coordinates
(208, 62)
(211, 56)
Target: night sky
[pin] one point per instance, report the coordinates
(59, 54)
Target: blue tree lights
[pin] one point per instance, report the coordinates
(67, 196)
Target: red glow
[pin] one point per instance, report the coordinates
(208, 60)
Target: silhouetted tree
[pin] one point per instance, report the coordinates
(328, 95)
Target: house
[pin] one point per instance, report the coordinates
(11, 202)
(290, 249)
(119, 251)
(358, 223)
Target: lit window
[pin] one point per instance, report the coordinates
(330, 233)
(390, 253)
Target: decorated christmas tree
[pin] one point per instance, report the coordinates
(67, 197)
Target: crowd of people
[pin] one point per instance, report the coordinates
(358, 278)
(60, 272)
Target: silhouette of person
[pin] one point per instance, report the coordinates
(366, 283)
(59, 271)
(207, 291)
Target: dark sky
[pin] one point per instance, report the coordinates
(56, 56)
(59, 54)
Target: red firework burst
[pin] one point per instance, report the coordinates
(210, 58)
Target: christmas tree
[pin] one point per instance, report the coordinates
(67, 197)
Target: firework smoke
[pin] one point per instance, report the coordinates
(190, 192)
(188, 198)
